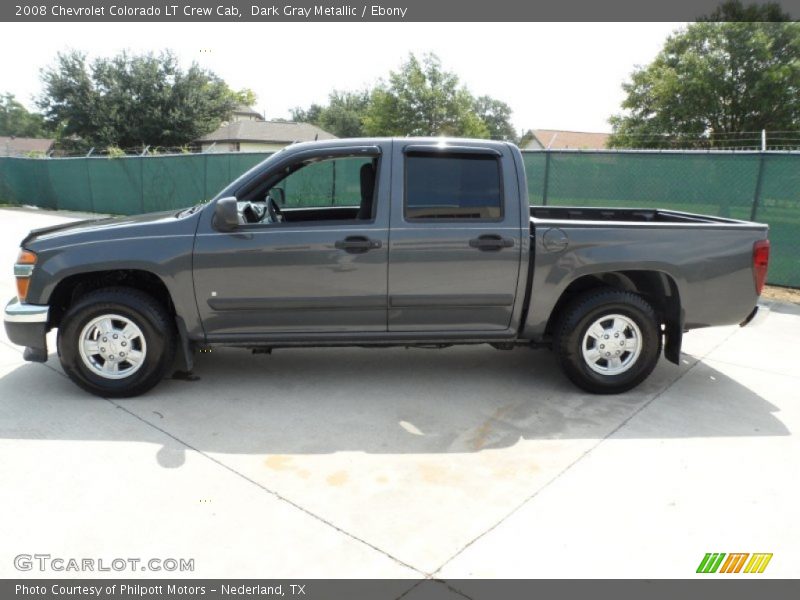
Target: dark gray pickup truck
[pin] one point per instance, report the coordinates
(437, 245)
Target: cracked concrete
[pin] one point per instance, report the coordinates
(465, 462)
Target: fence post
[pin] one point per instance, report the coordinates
(205, 176)
(546, 182)
(89, 183)
(141, 184)
(757, 192)
(333, 183)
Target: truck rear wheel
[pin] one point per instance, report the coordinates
(607, 341)
(116, 342)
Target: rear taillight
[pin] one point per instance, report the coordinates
(760, 263)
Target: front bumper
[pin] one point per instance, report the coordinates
(26, 325)
(757, 317)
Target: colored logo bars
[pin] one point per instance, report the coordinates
(713, 562)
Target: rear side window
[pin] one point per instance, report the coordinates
(453, 186)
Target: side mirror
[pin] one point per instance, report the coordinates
(278, 195)
(226, 214)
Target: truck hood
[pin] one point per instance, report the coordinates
(92, 230)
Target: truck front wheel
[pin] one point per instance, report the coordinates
(607, 341)
(116, 342)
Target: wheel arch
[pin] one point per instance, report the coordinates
(657, 287)
(72, 287)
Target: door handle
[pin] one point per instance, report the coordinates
(490, 242)
(357, 244)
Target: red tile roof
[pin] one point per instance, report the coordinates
(19, 146)
(282, 132)
(573, 140)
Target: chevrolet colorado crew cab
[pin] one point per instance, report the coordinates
(429, 242)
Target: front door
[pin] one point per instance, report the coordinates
(320, 267)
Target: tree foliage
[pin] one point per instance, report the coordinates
(497, 116)
(134, 100)
(343, 116)
(420, 98)
(423, 99)
(717, 77)
(16, 120)
(734, 10)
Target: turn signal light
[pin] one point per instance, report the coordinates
(22, 288)
(23, 270)
(26, 257)
(760, 263)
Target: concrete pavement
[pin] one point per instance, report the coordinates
(465, 462)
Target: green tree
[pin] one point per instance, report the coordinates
(419, 99)
(343, 116)
(525, 139)
(134, 100)
(247, 97)
(734, 10)
(735, 71)
(423, 99)
(16, 120)
(497, 116)
(311, 114)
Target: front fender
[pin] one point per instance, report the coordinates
(168, 257)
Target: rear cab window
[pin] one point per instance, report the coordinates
(452, 186)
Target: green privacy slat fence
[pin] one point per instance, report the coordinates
(127, 185)
(765, 186)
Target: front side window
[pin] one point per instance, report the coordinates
(333, 182)
(453, 186)
(331, 190)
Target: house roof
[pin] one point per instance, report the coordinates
(243, 109)
(573, 140)
(280, 132)
(16, 146)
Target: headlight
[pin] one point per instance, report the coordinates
(23, 269)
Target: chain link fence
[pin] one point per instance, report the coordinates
(762, 186)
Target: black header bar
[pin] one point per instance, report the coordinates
(266, 11)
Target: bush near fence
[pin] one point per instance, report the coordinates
(762, 186)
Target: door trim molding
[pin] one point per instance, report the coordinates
(297, 303)
(451, 300)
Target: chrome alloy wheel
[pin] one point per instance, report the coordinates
(612, 344)
(112, 346)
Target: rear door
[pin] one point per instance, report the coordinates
(455, 243)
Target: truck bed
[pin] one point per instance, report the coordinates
(703, 259)
(625, 215)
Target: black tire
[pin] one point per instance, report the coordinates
(154, 323)
(586, 310)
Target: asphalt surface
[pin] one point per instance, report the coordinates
(406, 463)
